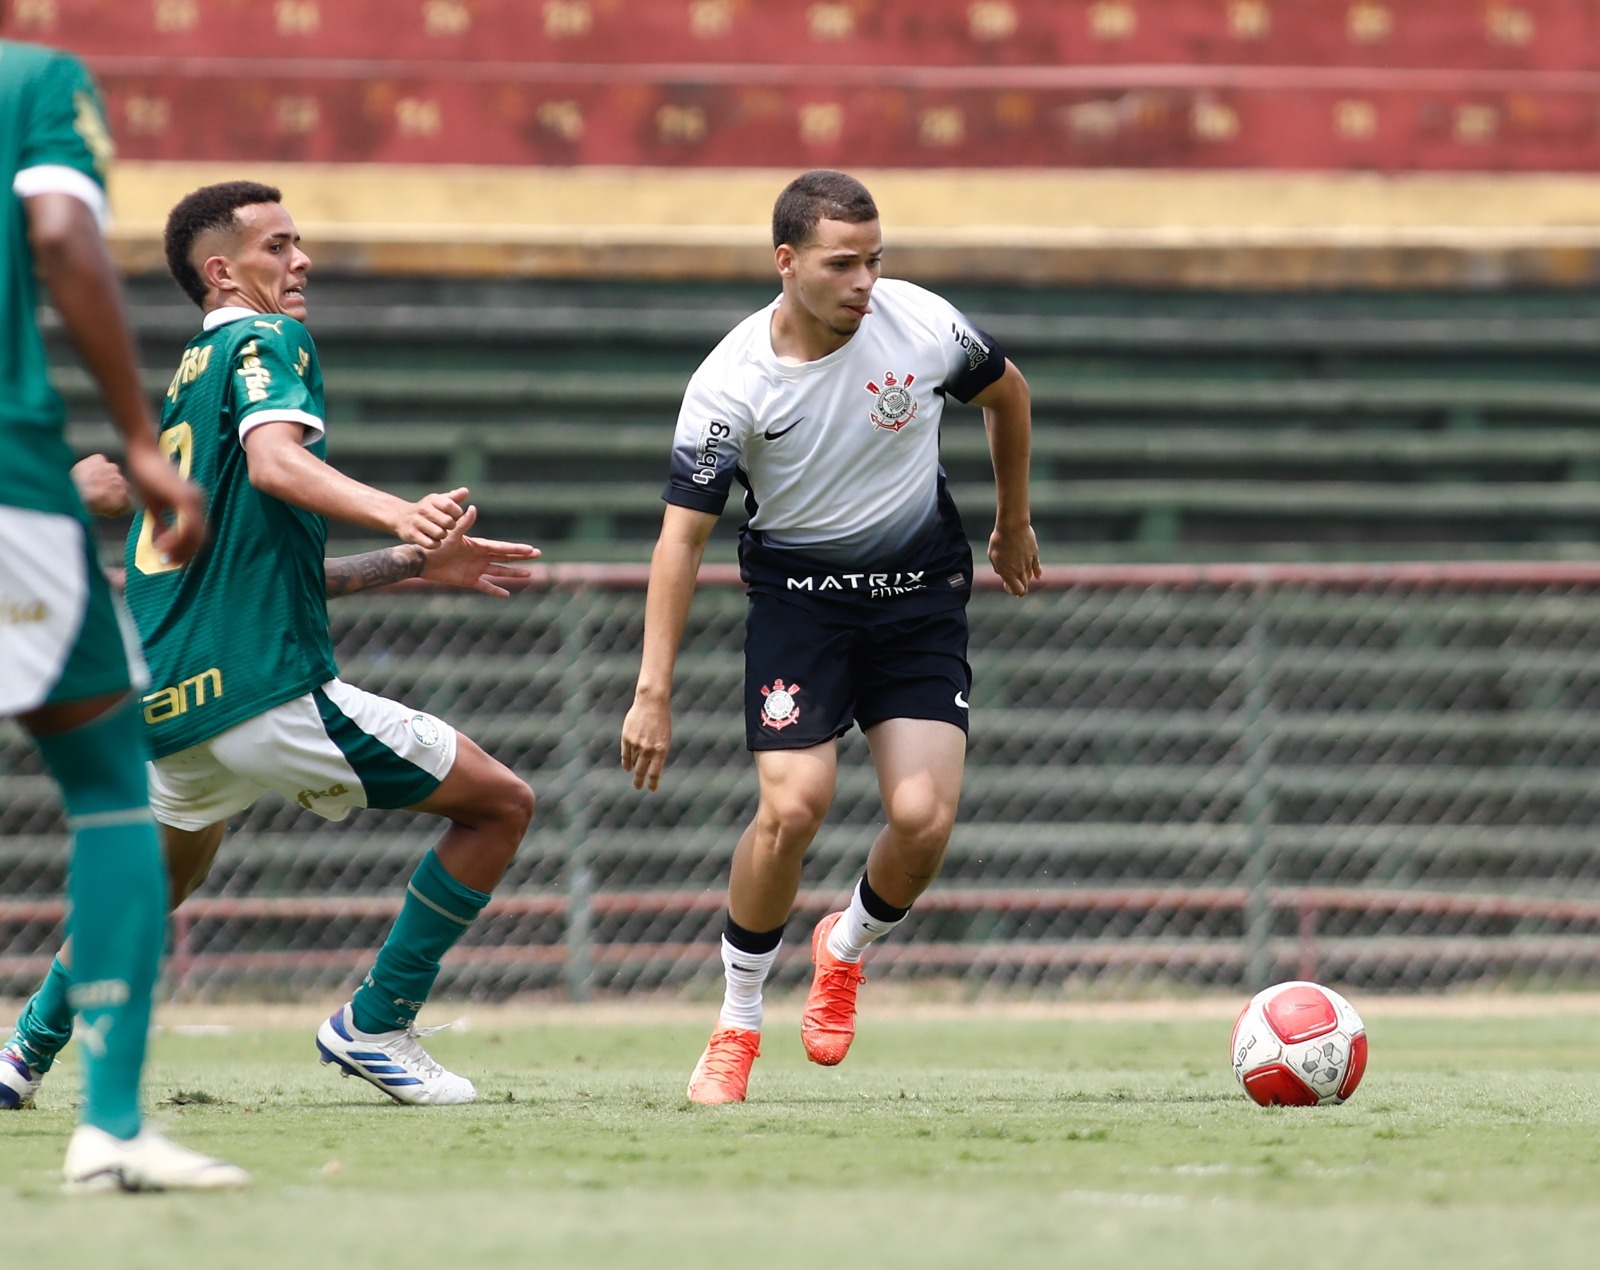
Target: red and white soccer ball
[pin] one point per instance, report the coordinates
(1299, 1044)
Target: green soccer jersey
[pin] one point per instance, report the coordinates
(243, 626)
(52, 139)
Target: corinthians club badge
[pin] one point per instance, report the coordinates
(895, 406)
(779, 710)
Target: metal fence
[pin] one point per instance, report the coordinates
(1179, 778)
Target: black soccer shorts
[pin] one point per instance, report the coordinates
(814, 668)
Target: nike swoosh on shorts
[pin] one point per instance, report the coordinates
(772, 434)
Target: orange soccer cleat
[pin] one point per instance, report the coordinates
(828, 1024)
(723, 1072)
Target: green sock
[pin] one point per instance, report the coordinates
(117, 891)
(437, 912)
(45, 1025)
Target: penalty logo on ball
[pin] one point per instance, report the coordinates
(1299, 1044)
(778, 707)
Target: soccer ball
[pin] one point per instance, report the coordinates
(1299, 1044)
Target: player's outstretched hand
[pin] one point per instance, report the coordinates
(173, 504)
(646, 737)
(101, 486)
(429, 520)
(478, 564)
(1014, 553)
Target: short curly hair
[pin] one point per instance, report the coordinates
(821, 194)
(209, 207)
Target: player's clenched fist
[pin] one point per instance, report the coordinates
(427, 521)
(101, 486)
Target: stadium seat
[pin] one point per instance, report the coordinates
(1083, 83)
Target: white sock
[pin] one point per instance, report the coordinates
(745, 973)
(856, 929)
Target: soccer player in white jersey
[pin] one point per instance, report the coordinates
(68, 671)
(826, 407)
(249, 700)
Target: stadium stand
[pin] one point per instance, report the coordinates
(1506, 85)
(1169, 426)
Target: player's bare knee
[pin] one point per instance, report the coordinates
(523, 806)
(923, 826)
(783, 837)
(787, 826)
(509, 804)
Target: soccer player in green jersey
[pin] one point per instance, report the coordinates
(68, 669)
(248, 698)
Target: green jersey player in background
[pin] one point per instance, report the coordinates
(246, 697)
(68, 669)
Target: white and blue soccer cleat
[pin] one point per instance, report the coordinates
(98, 1163)
(393, 1061)
(18, 1082)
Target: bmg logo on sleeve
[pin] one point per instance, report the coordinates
(706, 454)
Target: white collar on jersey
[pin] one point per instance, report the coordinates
(227, 313)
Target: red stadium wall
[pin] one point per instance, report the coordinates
(1402, 85)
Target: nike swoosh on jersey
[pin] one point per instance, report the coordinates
(772, 434)
(961, 700)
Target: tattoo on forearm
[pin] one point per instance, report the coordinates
(346, 575)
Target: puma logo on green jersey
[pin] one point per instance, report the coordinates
(190, 694)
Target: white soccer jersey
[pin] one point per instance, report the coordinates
(840, 456)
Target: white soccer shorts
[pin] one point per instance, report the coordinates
(63, 635)
(335, 748)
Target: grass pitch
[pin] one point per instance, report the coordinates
(964, 1140)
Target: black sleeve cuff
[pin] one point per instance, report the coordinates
(699, 500)
(979, 374)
